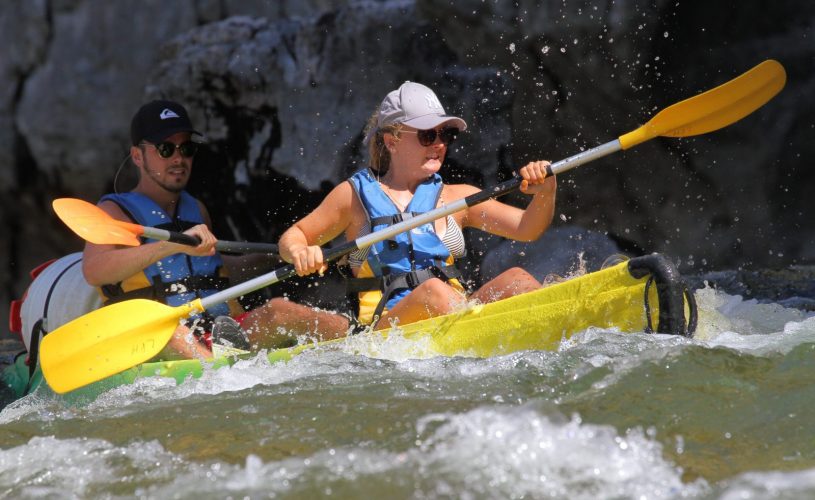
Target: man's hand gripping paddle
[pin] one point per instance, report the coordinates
(93, 224)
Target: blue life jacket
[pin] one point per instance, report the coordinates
(176, 279)
(395, 267)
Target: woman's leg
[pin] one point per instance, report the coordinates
(432, 298)
(278, 322)
(514, 281)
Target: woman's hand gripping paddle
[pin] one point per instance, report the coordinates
(93, 224)
(120, 336)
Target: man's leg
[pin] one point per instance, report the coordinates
(184, 345)
(278, 322)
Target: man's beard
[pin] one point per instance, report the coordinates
(159, 179)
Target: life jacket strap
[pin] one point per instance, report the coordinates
(390, 220)
(160, 290)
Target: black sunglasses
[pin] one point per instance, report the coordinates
(167, 149)
(427, 137)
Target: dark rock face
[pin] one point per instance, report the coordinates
(283, 91)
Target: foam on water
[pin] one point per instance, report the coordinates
(393, 347)
(515, 452)
(241, 376)
(497, 452)
(43, 404)
(47, 467)
(750, 326)
(475, 427)
(765, 485)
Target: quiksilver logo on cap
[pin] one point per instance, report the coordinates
(168, 113)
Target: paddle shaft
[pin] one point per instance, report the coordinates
(368, 240)
(221, 246)
(288, 271)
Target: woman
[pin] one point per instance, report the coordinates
(411, 277)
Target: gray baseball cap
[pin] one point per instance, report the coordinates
(414, 105)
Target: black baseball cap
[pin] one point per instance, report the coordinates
(158, 120)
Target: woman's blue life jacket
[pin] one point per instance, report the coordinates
(396, 266)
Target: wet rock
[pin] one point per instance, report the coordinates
(24, 25)
(305, 88)
(75, 107)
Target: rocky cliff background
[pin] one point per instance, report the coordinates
(282, 90)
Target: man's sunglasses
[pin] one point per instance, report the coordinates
(167, 149)
(427, 137)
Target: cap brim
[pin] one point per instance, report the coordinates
(167, 133)
(427, 122)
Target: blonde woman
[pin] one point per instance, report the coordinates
(411, 277)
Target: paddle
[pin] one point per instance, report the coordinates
(117, 337)
(95, 225)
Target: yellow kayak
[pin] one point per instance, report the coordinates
(641, 294)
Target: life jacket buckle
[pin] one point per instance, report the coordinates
(412, 280)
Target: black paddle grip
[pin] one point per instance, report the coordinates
(494, 192)
(184, 239)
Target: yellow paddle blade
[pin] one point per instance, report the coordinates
(714, 109)
(93, 224)
(107, 341)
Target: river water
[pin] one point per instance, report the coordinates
(727, 414)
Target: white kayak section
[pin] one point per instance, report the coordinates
(57, 295)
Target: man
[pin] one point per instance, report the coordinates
(162, 151)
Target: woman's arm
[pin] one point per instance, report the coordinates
(300, 244)
(505, 220)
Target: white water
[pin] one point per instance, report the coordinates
(465, 428)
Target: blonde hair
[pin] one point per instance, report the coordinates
(379, 158)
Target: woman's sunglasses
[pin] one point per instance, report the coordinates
(427, 137)
(167, 149)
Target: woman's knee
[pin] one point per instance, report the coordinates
(520, 277)
(513, 281)
(518, 272)
(438, 295)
